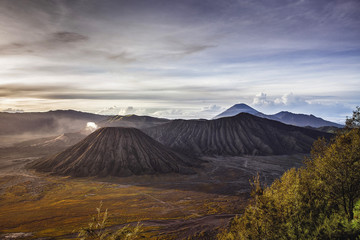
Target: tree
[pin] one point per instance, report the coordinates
(354, 121)
(338, 170)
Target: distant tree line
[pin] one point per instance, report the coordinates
(318, 201)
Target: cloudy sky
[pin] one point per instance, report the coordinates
(180, 59)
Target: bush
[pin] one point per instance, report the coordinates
(96, 229)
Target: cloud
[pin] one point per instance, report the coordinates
(55, 69)
(55, 91)
(174, 114)
(68, 37)
(123, 57)
(182, 54)
(212, 108)
(261, 99)
(130, 110)
(182, 49)
(50, 42)
(14, 49)
(191, 49)
(286, 100)
(23, 91)
(322, 106)
(206, 112)
(113, 110)
(91, 127)
(13, 110)
(156, 112)
(289, 99)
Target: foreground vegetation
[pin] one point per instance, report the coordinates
(96, 229)
(318, 201)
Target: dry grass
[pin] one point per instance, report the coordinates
(59, 205)
(50, 206)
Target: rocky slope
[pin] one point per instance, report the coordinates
(238, 135)
(116, 152)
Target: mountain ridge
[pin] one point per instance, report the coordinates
(132, 121)
(243, 134)
(296, 119)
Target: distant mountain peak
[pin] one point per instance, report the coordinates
(242, 105)
(239, 108)
(296, 119)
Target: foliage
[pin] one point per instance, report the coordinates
(96, 229)
(319, 201)
(338, 171)
(354, 121)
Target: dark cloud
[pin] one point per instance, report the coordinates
(191, 49)
(68, 37)
(14, 49)
(178, 47)
(22, 90)
(51, 42)
(123, 57)
(62, 92)
(57, 70)
(195, 88)
(125, 95)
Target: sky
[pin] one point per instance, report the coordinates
(180, 59)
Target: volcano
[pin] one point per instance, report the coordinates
(239, 108)
(116, 151)
(243, 134)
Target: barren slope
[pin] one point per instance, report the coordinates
(241, 134)
(116, 152)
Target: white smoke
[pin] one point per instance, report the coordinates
(91, 126)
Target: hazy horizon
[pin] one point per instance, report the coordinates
(185, 59)
(128, 113)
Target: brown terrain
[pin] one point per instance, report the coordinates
(173, 195)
